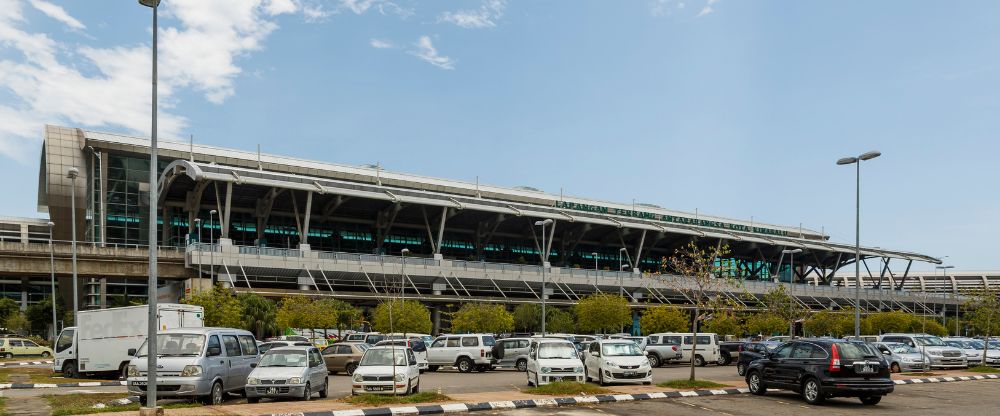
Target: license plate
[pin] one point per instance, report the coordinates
(865, 368)
(272, 390)
(555, 378)
(377, 388)
(138, 383)
(629, 373)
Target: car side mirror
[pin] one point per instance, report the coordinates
(253, 365)
(131, 352)
(214, 351)
(646, 353)
(887, 352)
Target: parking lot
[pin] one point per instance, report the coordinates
(945, 399)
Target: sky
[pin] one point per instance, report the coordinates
(734, 108)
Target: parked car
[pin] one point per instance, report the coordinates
(344, 356)
(617, 361)
(973, 349)
(940, 354)
(201, 363)
(466, 352)
(512, 353)
(296, 372)
(642, 342)
(902, 357)
(822, 368)
(266, 346)
(386, 370)
(370, 338)
(660, 352)
(750, 351)
(587, 338)
(427, 339)
(289, 338)
(11, 347)
(551, 360)
(729, 351)
(415, 344)
(707, 349)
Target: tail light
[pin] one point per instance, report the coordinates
(740, 348)
(834, 359)
(482, 353)
(674, 347)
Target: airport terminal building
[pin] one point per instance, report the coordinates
(285, 226)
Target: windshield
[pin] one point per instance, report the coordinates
(176, 345)
(929, 341)
(904, 349)
(383, 356)
(553, 350)
(363, 347)
(283, 359)
(620, 349)
(976, 344)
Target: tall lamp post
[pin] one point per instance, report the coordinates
(791, 282)
(596, 272)
(72, 174)
(543, 253)
(944, 274)
(402, 273)
(197, 221)
(621, 267)
(153, 199)
(211, 245)
(52, 271)
(856, 160)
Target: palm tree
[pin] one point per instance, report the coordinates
(259, 314)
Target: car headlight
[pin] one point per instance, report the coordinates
(935, 353)
(578, 370)
(611, 363)
(295, 380)
(357, 378)
(191, 370)
(546, 369)
(253, 381)
(133, 371)
(399, 377)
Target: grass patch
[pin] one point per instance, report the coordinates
(688, 384)
(82, 404)
(566, 388)
(3, 406)
(39, 375)
(379, 400)
(983, 369)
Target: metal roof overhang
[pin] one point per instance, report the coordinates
(202, 171)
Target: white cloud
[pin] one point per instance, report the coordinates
(707, 10)
(425, 50)
(380, 44)
(664, 7)
(200, 43)
(57, 13)
(483, 17)
(315, 13)
(383, 6)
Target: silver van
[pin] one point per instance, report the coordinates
(202, 363)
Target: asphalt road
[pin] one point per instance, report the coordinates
(940, 399)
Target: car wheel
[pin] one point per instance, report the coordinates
(350, 369)
(521, 365)
(416, 389)
(812, 392)
(325, 391)
(8, 355)
(586, 375)
(432, 368)
(530, 383)
(600, 378)
(741, 369)
(45, 354)
(699, 361)
(215, 396)
(68, 369)
(253, 400)
(871, 400)
(755, 384)
(482, 368)
(307, 393)
(654, 360)
(465, 365)
(895, 368)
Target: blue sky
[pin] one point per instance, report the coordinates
(734, 108)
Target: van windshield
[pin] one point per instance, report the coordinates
(176, 345)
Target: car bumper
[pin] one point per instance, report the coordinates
(903, 366)
(619, 376)
(857, 389)
(378, 387)
(544, 379)
(948, 362)
(422, 366)
(284, 390)
(172, 386)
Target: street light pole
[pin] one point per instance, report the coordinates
(791, 282)
(543, 253)
(944, 274)
(857, 232)
(621, 282)
(72, 174)
(211, 245)
(595, 267)
(52, 271)
(198, 222)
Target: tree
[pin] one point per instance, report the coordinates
(983, 314)
(700, 277)
(40, 314)
(338, 314)
(885, 322)
(664, 318)
(602, 312)
(17, 323)
(826, 322)
(779, 303)
(724, 322)
(528, 317)
(222, 309)
(407, 316)
(7, 307)
(259, 314)
(482, 318)
(296, 312)
(766, 324)
(558, 321)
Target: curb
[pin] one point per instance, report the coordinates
(571, 401)
(20, 363)
(17, 386)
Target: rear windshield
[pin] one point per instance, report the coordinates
(854, 351)
(489, 341)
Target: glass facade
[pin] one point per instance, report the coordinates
(128, 198)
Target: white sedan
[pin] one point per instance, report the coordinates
(617, 361)
(376, 373)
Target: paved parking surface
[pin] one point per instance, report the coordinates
(940, 399)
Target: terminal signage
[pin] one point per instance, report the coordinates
(597, 209)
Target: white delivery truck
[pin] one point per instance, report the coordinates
(102, 338)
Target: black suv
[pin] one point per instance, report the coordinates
(822, 368)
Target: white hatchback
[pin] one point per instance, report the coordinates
(386, 370)
(551, 360)
(617, 361)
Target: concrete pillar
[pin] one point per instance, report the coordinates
(436, 320)
(24, 233)
(24, 293)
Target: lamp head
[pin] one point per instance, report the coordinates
(405, 251)
(149, 3)
(213, 212)
(73, 172)
(622, 249)
(870, 155)
(545, 222)
(197, 220)
(847, 160)
(796, 251)
(51, 224)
